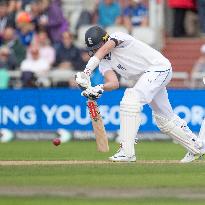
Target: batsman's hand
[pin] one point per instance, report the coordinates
(93, 93)
(83, 80)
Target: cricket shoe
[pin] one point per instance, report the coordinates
(190, 157)
(121, 157)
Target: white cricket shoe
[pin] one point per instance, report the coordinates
(121, 157)
(189, 157)
(202, 150)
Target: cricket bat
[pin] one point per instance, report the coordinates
(98, 126)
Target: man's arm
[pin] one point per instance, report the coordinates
(105, 49)
(83, 78)
(111, 81)
(99, 55)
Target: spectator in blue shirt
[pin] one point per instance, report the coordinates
(108, 13)
(68, 56)
(136, 14)
(25, 28)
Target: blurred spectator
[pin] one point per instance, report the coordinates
(25, 27)
(136, 14)
(201, 12)
(7, 59)
(35, 13)
(108, 13)
(67, 55)
(4, 67)
(123, 3)
(180, 7)
(14, 6)
(4, 78)
(53, 20)
(85, 57)
(34, 65)
(198, 70)
(5, 18)
(47, 52)
(15, 46)
(200, 63)
(85, 18)
(25, 3)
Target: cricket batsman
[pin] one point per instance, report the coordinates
(135, 60)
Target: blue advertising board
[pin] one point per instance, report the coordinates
(50, 109)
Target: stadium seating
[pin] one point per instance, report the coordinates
(71, 5)
(80, 41)
(196, 80)
(58, 75)
(74, 20)
(145, 34)
(54, 76)
(183, 53)
(113, 29)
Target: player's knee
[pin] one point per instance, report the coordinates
(130, 101)
(166, 125)
(177, 129)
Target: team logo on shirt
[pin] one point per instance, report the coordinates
(108, 56)
(121, 67)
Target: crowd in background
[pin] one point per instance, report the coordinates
(35, 36)
(180, 29)
(180, 9)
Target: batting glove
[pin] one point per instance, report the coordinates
(93, 93)
(83, 80)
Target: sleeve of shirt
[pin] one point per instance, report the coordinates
(118, 36)
(104, 66)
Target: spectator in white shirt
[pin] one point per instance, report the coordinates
(46, 51)
(199, 66)
(34, 65)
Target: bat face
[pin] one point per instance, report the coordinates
(98, 126)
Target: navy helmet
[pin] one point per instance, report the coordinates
(95, 37)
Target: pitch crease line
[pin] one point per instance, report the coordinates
(80, 162)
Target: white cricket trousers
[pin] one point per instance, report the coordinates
(151, 89)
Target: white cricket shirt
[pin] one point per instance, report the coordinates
(132, 57)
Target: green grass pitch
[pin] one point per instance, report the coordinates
(161, 182)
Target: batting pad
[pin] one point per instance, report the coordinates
(177, 129)
(130, 121)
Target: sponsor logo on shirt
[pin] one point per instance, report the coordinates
(121, 67)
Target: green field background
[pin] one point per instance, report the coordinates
(187, 178)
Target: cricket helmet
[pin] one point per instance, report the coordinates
(94, 38)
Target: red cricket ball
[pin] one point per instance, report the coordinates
(56, 141)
